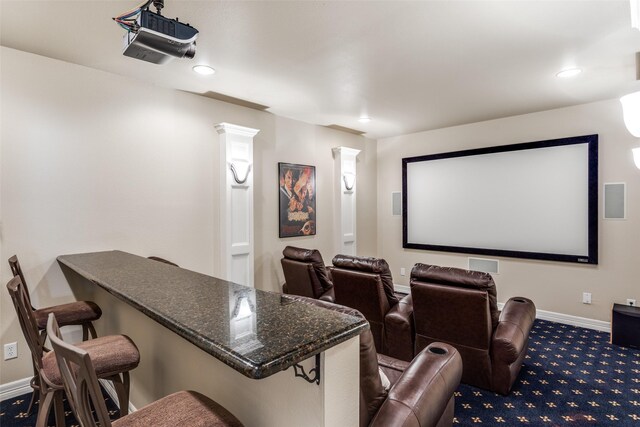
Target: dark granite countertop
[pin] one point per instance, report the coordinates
(255, 332)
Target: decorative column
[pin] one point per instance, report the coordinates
(345, 177)
(235, 244)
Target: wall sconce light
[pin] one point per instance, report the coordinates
(636, 156)
(631, 112)
(349, 179)
(240, 170)
(635, 14)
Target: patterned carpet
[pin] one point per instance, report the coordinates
(571, 377)
(13, 412)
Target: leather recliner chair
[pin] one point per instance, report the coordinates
(421, 393)
(305, 274)
(459, 307)
(366, 284)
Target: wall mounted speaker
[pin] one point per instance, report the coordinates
(615, 200)
(396, 203)
(483, 264)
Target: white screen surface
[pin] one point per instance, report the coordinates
(533, 200)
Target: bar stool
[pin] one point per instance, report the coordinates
(114, 356)
(78, 368)
(78, 313)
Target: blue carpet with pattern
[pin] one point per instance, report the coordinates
(571, 377)
(13, 412)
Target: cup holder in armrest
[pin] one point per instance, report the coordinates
(437, 350)
(521, 300)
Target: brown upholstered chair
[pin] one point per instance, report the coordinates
(366, 285)
(77, 313)
(114, 356)
(459, 307)
(305, 274)
(78, 368)
(420, 393)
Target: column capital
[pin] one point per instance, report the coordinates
(345, 150)
(236, 130)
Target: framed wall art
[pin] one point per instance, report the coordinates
(297, 200)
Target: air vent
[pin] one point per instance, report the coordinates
(483, 264)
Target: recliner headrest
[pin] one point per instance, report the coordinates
(452, 276)
(302, 254)
(369, 265)
(366, 264)
(313, 257)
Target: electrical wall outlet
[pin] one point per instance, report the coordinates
(10, 350)
(631, 302)
(586, 297)
(403, 272)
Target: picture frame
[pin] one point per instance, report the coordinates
(297, 200)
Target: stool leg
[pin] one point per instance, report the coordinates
(35, 385)
(92, 330)
(87, 328)
(58, 408)
(44, 407)
(36, 389)
(122, 390)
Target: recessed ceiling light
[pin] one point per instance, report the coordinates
(364, 119)
(205, 70)
(569, 72)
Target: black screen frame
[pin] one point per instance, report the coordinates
(591, 258)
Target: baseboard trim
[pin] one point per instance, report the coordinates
(108, 387)
(15, 388)
(583, 322)
(20, 387)
(567, 319)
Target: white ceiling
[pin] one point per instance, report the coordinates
(410, 66)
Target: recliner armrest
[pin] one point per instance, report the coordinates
(421, 394)
(512, 333)
(329, 296)
(399, 330)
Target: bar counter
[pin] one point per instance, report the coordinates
(255, 332)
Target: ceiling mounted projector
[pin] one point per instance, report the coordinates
(153, 38)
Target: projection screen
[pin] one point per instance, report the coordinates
(533, 200)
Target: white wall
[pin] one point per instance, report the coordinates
(94, 161)
(553, 286)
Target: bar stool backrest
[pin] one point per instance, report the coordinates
(26, 317)
(79, 377)
(16, 270)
